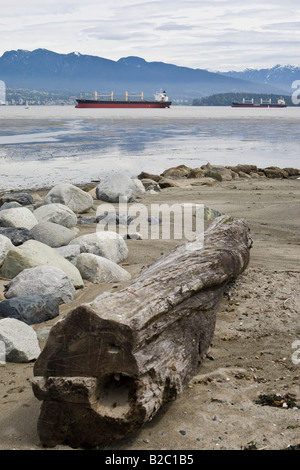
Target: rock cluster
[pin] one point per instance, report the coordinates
(45, 260)
(210, 174)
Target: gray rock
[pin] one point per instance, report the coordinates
(87, 220)
(24, 199)
(5, 246)
(45, 280)
(113, 218)
(31, 309)
(75, 198)
(115, 187)
(218, 172)
(17, 235)
(17, 217)
(9, 205)
(69, 252)
(20, 341)
(97, 269)
(51, 234)
(34, 253)
(108, 244)
(56, 213)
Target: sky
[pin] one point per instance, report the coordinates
(217, 35)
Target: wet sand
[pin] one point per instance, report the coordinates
(252, 350)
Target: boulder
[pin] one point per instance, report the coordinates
(75, 198)
(196, 173)
(9, 205)
(24, 199)
(108, 244)
(20, 340)
(220, 173)
(34, 253)
(5, 246)
(148, 183)
(242, 174)
(31, 309)
(168, 183)
(114, 187)
(17, 217)
(139, 187)
(244, 168)
(51, 234)
(69, 252)
(56, 213)
(292, 171)
(97, 269)
(176, 172)
(44, 280)
(275, 172)
(145, 175)
(17, 235)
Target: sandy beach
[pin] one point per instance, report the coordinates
(252, 353)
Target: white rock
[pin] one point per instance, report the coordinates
(33, 253)
(20, 340)
(18, 217)
(114, 187)
(5, 246)
(56, 213)
(97, 269)
(108, 244)
(75, 198)
(140, 188)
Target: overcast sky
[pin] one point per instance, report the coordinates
(211, 34)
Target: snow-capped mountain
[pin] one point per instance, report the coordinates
(281, 76)
(46, 70)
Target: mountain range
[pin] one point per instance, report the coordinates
(46, 70)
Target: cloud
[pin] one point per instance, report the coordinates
(173, 27)
(288, 26)
(214, 34)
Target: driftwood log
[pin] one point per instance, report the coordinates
(109, 365)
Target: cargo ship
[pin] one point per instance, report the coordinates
(263, 104)
(160, 101)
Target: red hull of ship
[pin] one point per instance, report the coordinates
(100, 104)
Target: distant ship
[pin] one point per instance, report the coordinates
(263, 104)
(160, 101)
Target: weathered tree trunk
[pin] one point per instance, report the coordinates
(109, 365)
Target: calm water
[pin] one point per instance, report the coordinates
(45, 145)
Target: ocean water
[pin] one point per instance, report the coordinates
(45, 145)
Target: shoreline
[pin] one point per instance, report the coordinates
(251, 354)
(174, 176)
